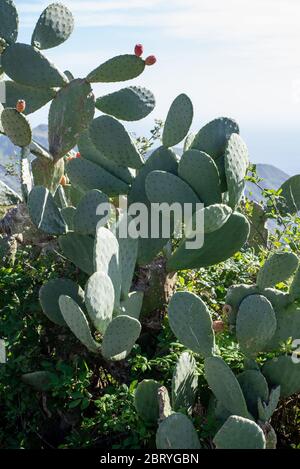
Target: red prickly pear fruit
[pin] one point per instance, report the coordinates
(218, 326)
(151, 60)
(63, 181)
(138, 50)
(78, 155)
(21, 105)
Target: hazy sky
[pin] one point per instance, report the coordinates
(237, 58)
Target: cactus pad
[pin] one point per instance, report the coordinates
(70, 114)
(278, 268)
(184, 382)
(215, 216)
(86, 218)
(188, 142)
(77, 322)
(266, 410)
(164, 160)
(283, 372)
(129, 104)
(295, 287)
(288, 327)
(225, 386)
(235, 295)
(146, 401)
(254, 387)
(240, 433)
(255, 324)
(177, 432)
(213, 137)
(191, 323)
(120, 337)
(290, 191)
(99, 300)
(112, 140)
(16, 127)
(48, 174)
(132, 305)
(218, 246)
(27, 65)
(89, 151)
(68, 214)
(35, 97)
(179, 121)
(200, 171)
(9, 21)
(164, 187)
(25, 173)
(79, 250)
(49, 295)
(128, 251)
(120, 68)
(54, 26)
(44, 212)
(236, 165)
(85, 176)
(106, 258)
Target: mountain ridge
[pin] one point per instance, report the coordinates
(272, 177)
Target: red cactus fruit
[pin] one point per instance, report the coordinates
(21, 105)
(78, 155)
(218, 326)
(138, 50)
(151, 60)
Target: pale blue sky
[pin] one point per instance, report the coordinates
(237, 58)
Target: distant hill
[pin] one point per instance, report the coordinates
(272, 177)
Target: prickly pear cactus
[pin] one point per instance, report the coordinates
(263, 319)
(240, 433)
(191, 322)
(146, 401)
(100, 304)
(54, 27)
(177, 432)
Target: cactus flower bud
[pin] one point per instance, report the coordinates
(63, 181)
(227, 309)
(138, 50)
(151, 60)
(21, 105)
